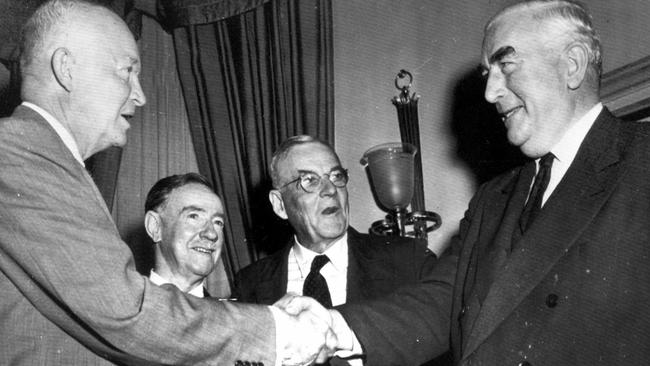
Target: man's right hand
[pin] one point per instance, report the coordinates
(307, 335)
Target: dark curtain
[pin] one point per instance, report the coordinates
(250, 81)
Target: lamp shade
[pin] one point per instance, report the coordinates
(391, 171)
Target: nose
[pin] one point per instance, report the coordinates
(210, 232)
(327, 187)
(495, 86)
(137, 94)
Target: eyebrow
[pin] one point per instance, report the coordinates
(501, 53)
(303, 171)
(192, 208)
(196, 208)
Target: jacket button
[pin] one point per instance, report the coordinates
(551, 300)
(461, 313)
(524, 363)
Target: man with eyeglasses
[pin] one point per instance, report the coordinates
(327, 259)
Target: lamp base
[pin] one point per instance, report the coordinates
(420, 222)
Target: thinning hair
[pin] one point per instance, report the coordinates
(572, 17)
(45, 22)
(285, 148)
(159, 193)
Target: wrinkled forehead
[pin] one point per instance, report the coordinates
(194, 195)
(518, 31)
(102, 29)
(311, 156)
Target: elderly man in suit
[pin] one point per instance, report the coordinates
(184, 218)
(70, 292)
(551, 261)
(327, 259)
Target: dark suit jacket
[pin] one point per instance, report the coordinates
(69, 290)
(376, 266)
(574, 291)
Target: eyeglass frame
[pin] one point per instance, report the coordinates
(320, 179)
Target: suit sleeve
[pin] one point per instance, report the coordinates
(60, 248)
(411, 325)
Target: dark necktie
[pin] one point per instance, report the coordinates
(315, 285)
(534, 204)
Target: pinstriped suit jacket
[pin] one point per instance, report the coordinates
(69, 291)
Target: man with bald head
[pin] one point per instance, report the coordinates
(550, 264)
(70, 292)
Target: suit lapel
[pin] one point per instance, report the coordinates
(354, 287)
(495, 253)
(364, 267)
(576, 200)
(64, 157)
(488, 256)
(276, 274)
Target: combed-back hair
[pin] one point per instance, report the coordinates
(570, 15)
(283, 150)
(159, 193)
(42, 23)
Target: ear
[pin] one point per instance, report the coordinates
(62, 61)
(577, 57)
(153, 225)
(278, 204)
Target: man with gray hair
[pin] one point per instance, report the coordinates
(184, 218)
(550, 266)
(327, 259)
(70, 292)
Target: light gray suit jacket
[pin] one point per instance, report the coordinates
(69, 291)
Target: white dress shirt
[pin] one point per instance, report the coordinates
(335, 271)
(159, 280)
(63, 133)
(567, 148)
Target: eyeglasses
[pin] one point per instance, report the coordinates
(311, 182)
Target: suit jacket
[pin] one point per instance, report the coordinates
(376, 266)
(575, 290)
(70, 292)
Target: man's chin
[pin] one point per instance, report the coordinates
(334, 230)
(119, 141)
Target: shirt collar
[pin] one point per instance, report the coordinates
(159, 281)
(567, 148)
(337, 253)
(63, 133)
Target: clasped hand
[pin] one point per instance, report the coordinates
(312, 338)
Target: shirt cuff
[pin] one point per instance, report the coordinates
(349, 345)
(282, 322)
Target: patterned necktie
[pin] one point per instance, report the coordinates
(534, 204)
(315, 285)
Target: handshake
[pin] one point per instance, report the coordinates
(310, 333)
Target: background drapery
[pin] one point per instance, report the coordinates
(250, 81)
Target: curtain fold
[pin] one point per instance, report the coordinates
(249, 82)
(180, 13)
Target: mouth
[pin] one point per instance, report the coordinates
(508, 113)
(203, 250)
(330, 210)
(127, 116)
